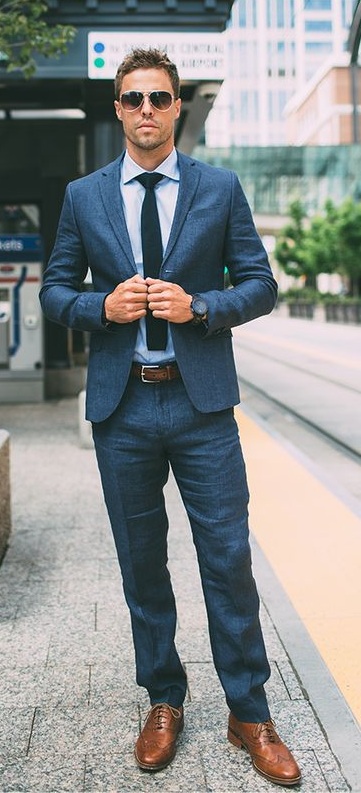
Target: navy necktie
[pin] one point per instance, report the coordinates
(152, 255)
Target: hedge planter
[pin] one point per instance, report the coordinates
(347, 313)
(303, 309)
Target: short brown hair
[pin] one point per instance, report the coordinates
(146, 59)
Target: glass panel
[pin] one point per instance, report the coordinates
(19, 219)
(273, 176)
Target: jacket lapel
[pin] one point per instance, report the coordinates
(109, 185)
(188, 183)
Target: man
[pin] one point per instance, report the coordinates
(161, 390)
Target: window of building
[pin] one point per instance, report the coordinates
(319, 5)
(240, 11)
(245, 13)
(248, 108)
(275, 14)
(281, 59)
(276, 104)
(318, 47)
(280, 13)
(318, 26)
(243, 58)
(347, 10)
(292, 13)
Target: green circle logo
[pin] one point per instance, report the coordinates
(99, 63)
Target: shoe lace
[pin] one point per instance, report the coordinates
(267, 730)
(160, 713)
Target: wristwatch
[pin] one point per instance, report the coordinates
(199, 309)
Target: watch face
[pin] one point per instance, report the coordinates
(199, 306)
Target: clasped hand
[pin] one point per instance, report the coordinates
(130, 300)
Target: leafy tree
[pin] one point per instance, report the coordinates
(348, 229)
(320, 245)
(24, 32)
(291, 247)
(330, 243)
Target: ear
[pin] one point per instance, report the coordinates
(118, 110)
(177, 105)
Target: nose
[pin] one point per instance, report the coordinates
(147, 106)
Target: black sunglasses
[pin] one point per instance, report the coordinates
(133, 100)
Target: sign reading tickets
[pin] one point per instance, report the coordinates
(198, 56)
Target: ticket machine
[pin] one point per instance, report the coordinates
(21, 332)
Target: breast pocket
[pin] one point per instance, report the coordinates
(211, 212)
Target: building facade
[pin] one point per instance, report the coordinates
(274, 48)
(322, 114)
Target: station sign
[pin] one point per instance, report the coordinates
(198, 56)
(20, 247)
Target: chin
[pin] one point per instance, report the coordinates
(149, 145)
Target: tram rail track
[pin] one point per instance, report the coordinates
(306, 371)
(310, 371)
(283, 406)
(303, 381)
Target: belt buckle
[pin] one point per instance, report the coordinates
(144, 367)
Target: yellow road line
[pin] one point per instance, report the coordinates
(313, 542)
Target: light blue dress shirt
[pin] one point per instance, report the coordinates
(132, 192)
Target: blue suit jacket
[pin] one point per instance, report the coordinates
(212, 229)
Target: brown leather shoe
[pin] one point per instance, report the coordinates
(156, 745)
(270, 756)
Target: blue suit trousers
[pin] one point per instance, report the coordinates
(156, 427)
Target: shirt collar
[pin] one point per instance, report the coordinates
(169, 167)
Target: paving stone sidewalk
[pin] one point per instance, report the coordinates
(70, 708)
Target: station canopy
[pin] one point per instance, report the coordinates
(80, 83)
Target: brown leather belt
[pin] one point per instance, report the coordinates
(155, 374)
